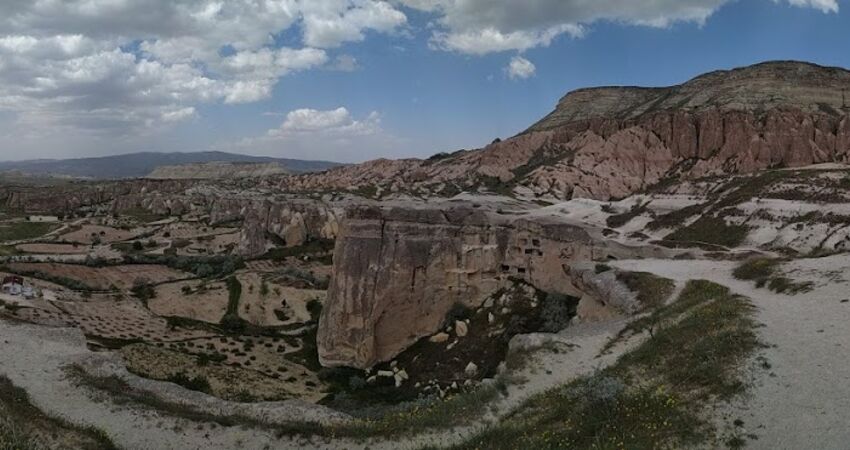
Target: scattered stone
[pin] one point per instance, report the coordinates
(439, 338)
(385, 373)
(491, 318)
(461, 328)
(471, 370)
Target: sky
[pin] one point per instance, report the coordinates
(354, 80)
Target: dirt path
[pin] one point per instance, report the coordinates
(804, 402)
(33, 357)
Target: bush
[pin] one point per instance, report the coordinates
(459, 311)
(198, 383)
(137, 246)
(557, 310)
(142, 289)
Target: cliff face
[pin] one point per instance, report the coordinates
(399, 271)
(605, 143)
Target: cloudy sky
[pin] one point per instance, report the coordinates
(351, 80)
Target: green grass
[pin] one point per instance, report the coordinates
(657, 396)
(25, 427)
(618, 220)
(9, 250)
(20, 231)
(711, 230)
(756, 269)
(764, 272)
(652, 291)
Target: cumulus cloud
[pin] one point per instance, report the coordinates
(520, 68)
(487, 26)
(324, 134)
(337, 121)
(117, 66)
(827, 6)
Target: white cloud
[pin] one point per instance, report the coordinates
(328, 27)
(118, 67)
(487, 26)
(345, 63)
(324, 134)
(827, 6)
(337, 121)
(520, 68)
(179, 115)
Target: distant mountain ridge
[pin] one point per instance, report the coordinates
(137, 165)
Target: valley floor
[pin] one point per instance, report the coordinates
(800, 401)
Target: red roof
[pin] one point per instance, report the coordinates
(14, 279)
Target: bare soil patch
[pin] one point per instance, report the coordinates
(103, 278)
(194, 300)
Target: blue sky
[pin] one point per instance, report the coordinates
(385, 87)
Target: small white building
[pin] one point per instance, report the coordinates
(13, 285)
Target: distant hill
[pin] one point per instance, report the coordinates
(137, 165)
(217, 171)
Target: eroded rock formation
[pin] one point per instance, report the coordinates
(605, 143)
(398, 272)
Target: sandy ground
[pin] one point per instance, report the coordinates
(260, 309)
(87, 233)
(208, 305)
(62, 249)
(33, 358)
(804, 401)
(105, 277)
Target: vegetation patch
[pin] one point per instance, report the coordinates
(427, 414)
(316, 248)
(676, 218)
(764, 271)
(231, 320)
(654, 397)
(711, 230)
(652, 291)
(25, 427)
(201, 266)
(20, 231)
(618, 220)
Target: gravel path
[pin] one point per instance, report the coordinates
(803, 400)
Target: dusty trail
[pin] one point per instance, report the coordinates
(803, 400)
(33, 357)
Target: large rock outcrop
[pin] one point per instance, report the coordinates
(399, 271)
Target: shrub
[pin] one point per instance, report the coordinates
(142, 289)
(557, 310)
(197, 383)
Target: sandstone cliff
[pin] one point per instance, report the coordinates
(398, 272)
(605, 143)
